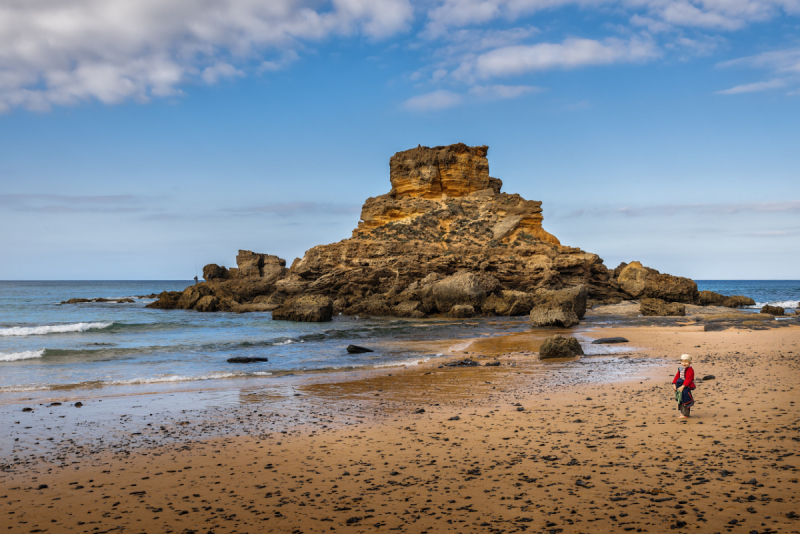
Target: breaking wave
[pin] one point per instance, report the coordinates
(15, 356)
(52, 329)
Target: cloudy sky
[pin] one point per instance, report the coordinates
(142, 139)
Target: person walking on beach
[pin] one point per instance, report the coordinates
(683, 383)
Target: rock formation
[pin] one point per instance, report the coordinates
(560, 347)
(661, 308)
(444, 240)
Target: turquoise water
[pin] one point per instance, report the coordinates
(45, 345)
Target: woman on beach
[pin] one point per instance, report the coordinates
(684, 384)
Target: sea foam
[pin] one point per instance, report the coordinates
(15, 356)
(51, 329)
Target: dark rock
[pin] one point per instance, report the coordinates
(466, 362)
(305, 308)
(562, 307)
(709, 377)
(42, 486)
(355, 349)
(752, 482)
(79, 404)
(772, 310)
(55, 404)
(455, 418)
(560, 347)
(660, 308)
(520, 409)
(737, 301)
(609, 340)
(461, 311)
(212, 271)
(247, 359)
(209, 303)
(167, 300)
(710, 298)
(27, 409)
(474, 471)
(419, 410)
(492, 364)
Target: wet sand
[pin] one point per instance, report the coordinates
(590, 445)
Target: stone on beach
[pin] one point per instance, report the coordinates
(306, 308)
(562, 307)
(660, 308)
(247, 359)
(772, 310)
(609, 340)
(559, 347)
(738, 301)
(355, 349)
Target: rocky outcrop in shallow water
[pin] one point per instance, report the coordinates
(444, 240)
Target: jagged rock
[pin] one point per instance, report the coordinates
(737, 301)
(661, 308)
(710, 298)
(460, 311)
(463, 289)
(639, 281)
(772, 310)
(355, 349)
(562, 307)
(305, 308)
(167, 300)
(559, 347)
(213, 271)
(445, 235)
(508, 303)
(209, 303)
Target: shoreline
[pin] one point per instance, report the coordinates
(369, 463)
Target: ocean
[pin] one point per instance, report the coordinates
(49, 346)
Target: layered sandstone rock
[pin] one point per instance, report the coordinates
(560, 347)
(661, 308)
(445, 239)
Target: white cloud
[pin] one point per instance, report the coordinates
(503, 91)
(63, 52)
(781, 61)
(571, 53)
(754, 87)
(441, 99)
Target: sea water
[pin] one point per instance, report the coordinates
(46, 345)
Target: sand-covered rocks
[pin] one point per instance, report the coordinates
(661, 308)
(559, 347)
(562, 307)
(305, 308)
(772, 310)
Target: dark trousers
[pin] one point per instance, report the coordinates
(684, 410)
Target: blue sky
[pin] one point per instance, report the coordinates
(142, 139)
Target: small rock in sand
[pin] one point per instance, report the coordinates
(355, 349)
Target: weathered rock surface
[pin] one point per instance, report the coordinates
(710, 298)
(444, 236)
(560, 347)
(562, 307)
(639, 281)
(772, 310)
(461, 311)
(305, 308)
(661, 308)
(737, 301)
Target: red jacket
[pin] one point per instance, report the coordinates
(688, 380)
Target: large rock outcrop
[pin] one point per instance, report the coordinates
(561, 307)
(444, 236)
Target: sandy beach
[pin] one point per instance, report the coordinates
(592, 445)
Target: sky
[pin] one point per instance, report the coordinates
(142, 139)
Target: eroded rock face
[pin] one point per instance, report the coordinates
(737, 301)
(639, 281)
(661, 308)
(563, 307)
(772, 310)
(444, 236)
(710, 298)
(560, 347)
(305, 308)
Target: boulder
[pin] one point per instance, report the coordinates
(209, 303)
(464, 289)
(772, 310)
(661, 308)
(460, 311)
(508, 303)
(559, 347)
(305, 308)
(639, 281)
(710, 298)
(737, 301)
(609, 340)
(409, 308)
(167, 300)
(212, 271)
(561, 307)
